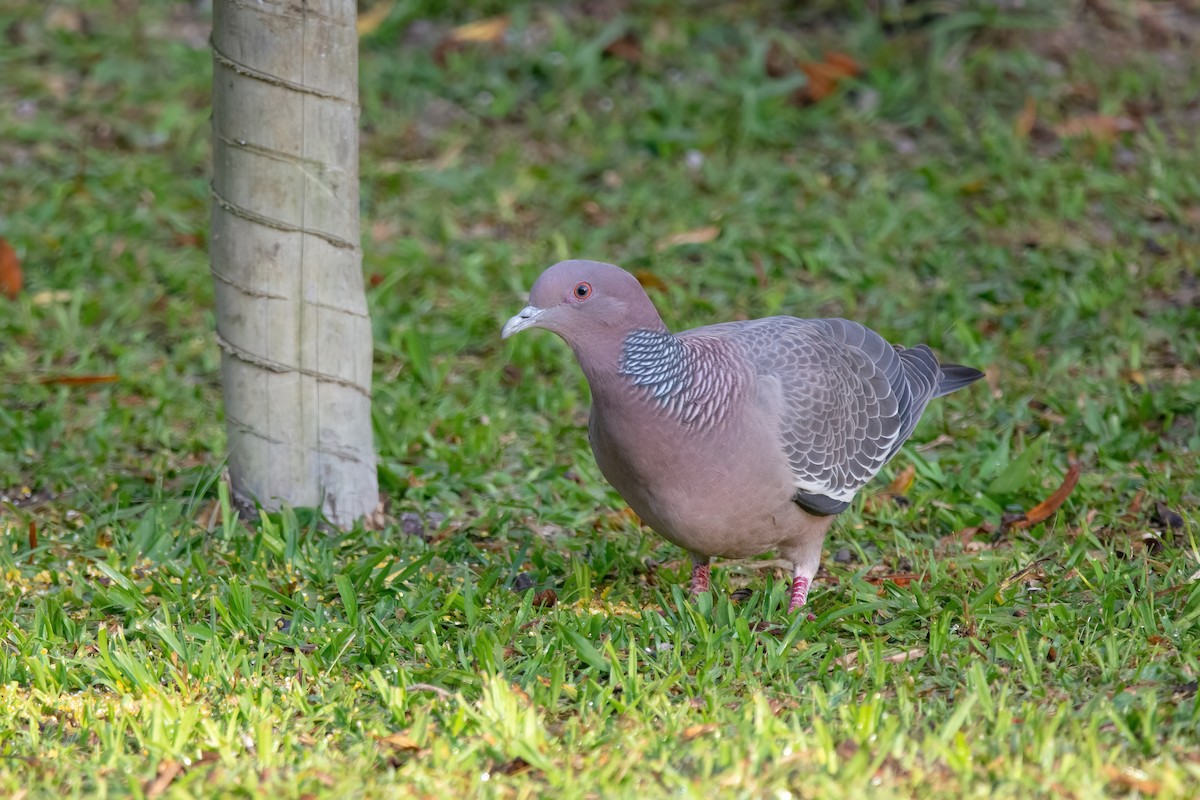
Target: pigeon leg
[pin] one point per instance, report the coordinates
(699, 574)
(804, 571)
(805, 556)
(800, 586)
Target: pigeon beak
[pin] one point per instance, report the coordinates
(526, 318)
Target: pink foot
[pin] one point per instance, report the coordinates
(699, 578)
(799, 593)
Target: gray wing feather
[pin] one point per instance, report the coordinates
(849, 399)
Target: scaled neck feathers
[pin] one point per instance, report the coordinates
(693, 379)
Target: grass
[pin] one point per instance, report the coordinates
(513, 633)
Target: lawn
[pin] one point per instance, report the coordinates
(1016, 184)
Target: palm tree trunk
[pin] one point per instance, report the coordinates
(292, 318)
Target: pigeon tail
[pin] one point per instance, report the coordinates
(955, 377)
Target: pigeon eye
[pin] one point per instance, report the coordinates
(583, 290)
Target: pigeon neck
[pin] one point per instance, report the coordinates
(692, 379)
(655, 361)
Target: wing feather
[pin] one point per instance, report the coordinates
(849, 399)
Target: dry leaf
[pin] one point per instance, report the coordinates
(484, 30)
(324, 778)
(10, 271)
(399, 742)
(965, 536)
(168, 771)
(897, 488)
(1132, 778)
(76, 380)
(1101, 127)
(46, 298)
(1023, 573)
(210, 516)
(1026, 119)
(515, 767)
(824, 76)
(901, 579)
(905, 655)
(696, 731)
(1042, 511)
(547, 598)
(188, 239)
(902, 482)
(843, 62)
(698, 236)
(649, 280)
(627, 48)
(369, 22)
(850, 660)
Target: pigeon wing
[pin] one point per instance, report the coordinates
(848, 399)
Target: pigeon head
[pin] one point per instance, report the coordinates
(588, 304)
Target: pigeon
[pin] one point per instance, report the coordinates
(739, 438)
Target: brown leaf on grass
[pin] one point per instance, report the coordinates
(901, 579)
(649, 280)
(903, 481)
(842, 63)
(1023, 573)
(850, 660)
(627, 48)
(968, 534)
(181, 239)
(491, 29)
(896, 489)
(11, 277)
(1026, 119)
(616, 519)
(1132, 778)
(1100, 127)
(941, 440)
(76, 380)
(370, 21)
(168, 771)
(399, 742)
(547, 598)
(697, 236)
(1134, 506)
(484, 31)
(515, 767)
(1042, 511)
(41, 299)
(696, 731)
(825, 75)
(210, 516)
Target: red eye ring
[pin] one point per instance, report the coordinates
(582, 291)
